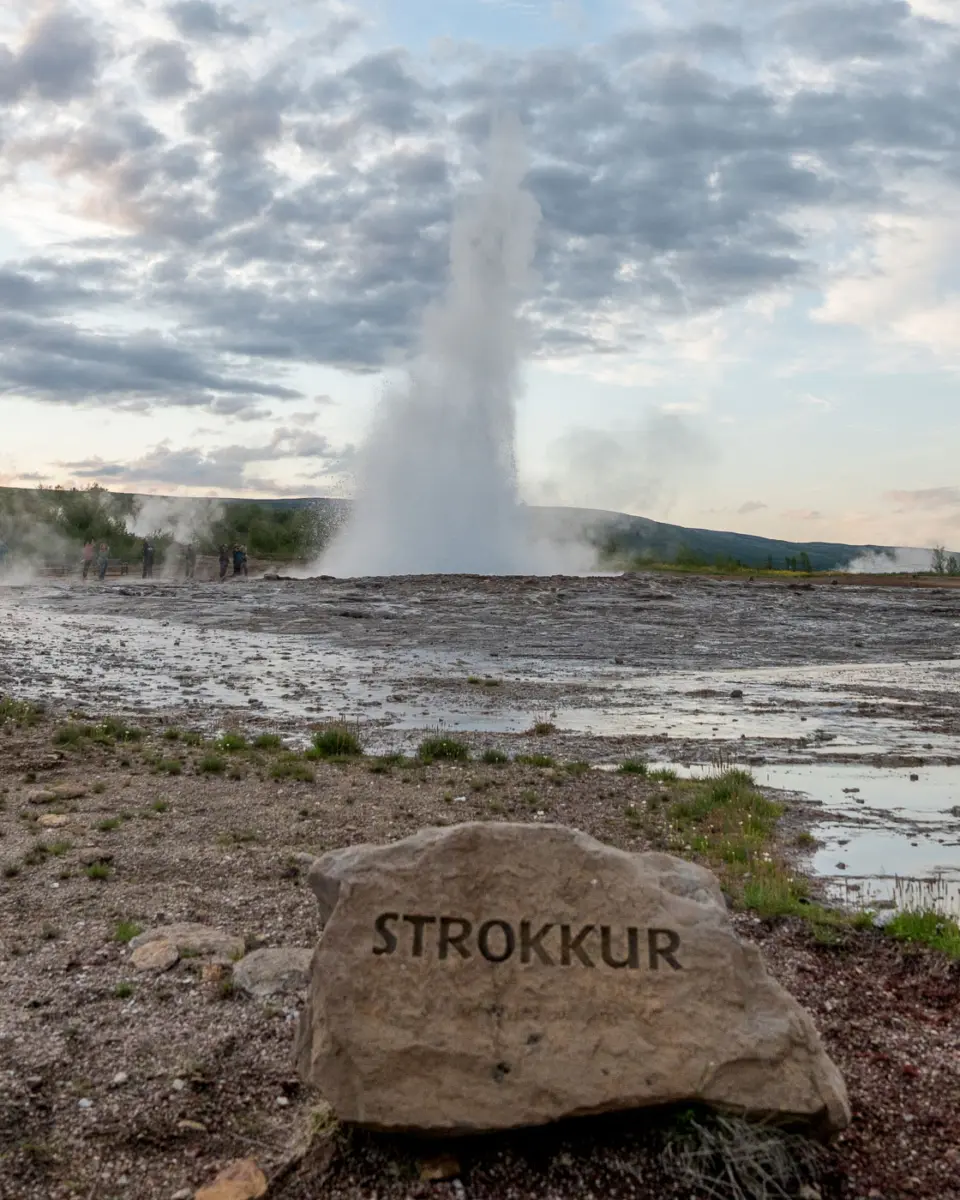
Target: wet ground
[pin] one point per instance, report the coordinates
(840, 693)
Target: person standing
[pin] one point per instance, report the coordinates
(224, 561)
(103, 559)
(147, 559)
(189, 560)
(89, 552)
(243, 559)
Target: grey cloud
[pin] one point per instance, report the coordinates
(845, 29)
(59, 59)
(225, 467)
(240, 115)
(926, 498)
(166, 68)
(751, 506)
(201, 19)
(54, 361)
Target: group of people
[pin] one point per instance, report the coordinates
(101, 558)
(91, 556)
(239, 557)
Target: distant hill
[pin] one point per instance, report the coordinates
(293, 527)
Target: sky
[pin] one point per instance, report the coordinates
(220, 225)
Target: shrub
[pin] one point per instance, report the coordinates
(336, 742)
(633, 766)
(126, 931)
(98, 871)
(494, 757)
(292, 767)
(172, 734)
(211, 764)
(442, 749)
(930, 928)
(268, 741)
(172, 766)
(232, 742)
(72, 734)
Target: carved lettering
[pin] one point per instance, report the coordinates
(666, 952)
(389, 938)
(531, 943)
(418, 924)
(483, 940)
(633, 948)
(574, 945)
(448, 938)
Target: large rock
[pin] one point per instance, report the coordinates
(487, 976)
(273, 971)
(192, 939)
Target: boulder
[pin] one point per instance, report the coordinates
(489, 976)
(273, 971)
(158, 955)
(192, 939)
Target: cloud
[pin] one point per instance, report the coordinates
(926, 498)
(224, 468)
(283, 200)
(58, 60)
(201, 19)
(751, 506)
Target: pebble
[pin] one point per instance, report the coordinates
(84, 1103)
(178, 1085)
(282, 1102)
(121, 1077)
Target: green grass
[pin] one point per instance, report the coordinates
(193, 738)
(98, 871)
(633, 766)
(99, 788)
(929, 928)
(116, 730)
(268, 741)
(123, 990)
(108, 824)
(232, 743)
(494, 758)
(578, 767)
(443, 749)
(72, 734)
(170, 766)
(535, 760)
(211, 764)
(172, 734)
(542, 728)
(663, 775)
(336, 742)
(290, 766)
(126, 931)
(58, 849)
(160, 806)
(20, 712)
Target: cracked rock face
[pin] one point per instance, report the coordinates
(488, 976)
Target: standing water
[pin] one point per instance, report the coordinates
(437, 488)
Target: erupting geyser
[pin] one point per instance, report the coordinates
(437, 488)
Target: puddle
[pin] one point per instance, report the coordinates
(895, 835)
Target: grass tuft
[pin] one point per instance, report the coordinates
(290, 766)
(98, 871)
(494, 758)
(336, 742)
(232, 743)
(268, 741)
(928, 928)
(633, 766)
(535, 760)
(211, 764)
(443, 749)
(126, 931)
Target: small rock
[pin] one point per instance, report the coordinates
(809, 1193)
(736, 694)
(90, 855)
(53, 821)
(241, 1180)
(155, 956)
(120, 1078)
(183, 1194)
(84, 1103)
(273, 971)
(190, 938)
(841, 866)
(282, 1102)
(439, 1167)
(192, 1126)
(914, 778)
(178, 1085)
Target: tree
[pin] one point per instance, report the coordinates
(805, 563)
(938, 560)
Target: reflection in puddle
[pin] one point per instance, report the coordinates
(888, 834)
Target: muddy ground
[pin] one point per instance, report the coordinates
(105, 1094)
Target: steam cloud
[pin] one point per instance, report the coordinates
(437, 486)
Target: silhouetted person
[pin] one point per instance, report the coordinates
(224, 561)
(189, 560)
(147, 559)
(103, 559)
(89, 553)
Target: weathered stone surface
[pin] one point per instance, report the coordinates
(90, 855)
(159, 955)
(241, 1180)
(53, 820)
(273, 971)
(488, 976)
(190, 938)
